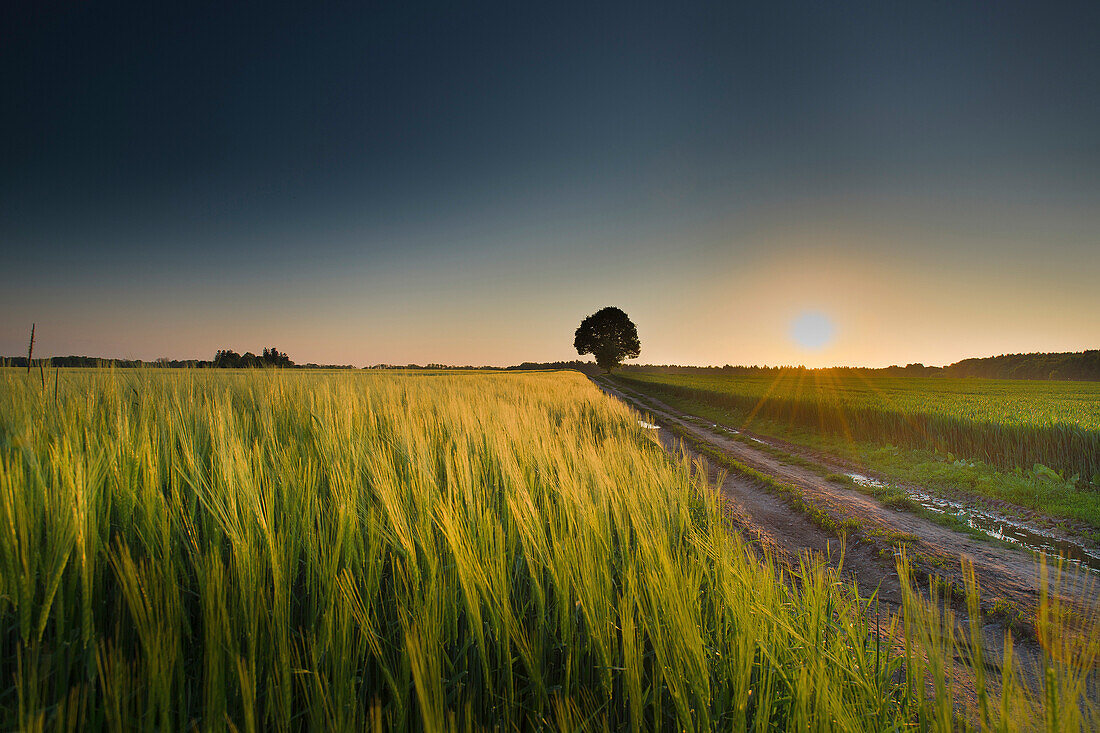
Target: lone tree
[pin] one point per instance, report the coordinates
(610, 336)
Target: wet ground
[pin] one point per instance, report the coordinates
(1011, 530)
(995, 525)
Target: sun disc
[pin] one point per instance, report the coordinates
(812, 330)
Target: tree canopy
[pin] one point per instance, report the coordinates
(272, 357)
(610, 336)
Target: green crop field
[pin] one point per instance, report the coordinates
(340, 551)
(1007, 423)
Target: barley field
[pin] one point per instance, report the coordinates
(1007, 423)
(253, 550)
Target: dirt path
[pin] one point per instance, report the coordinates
(1007, 576)
(1003, 571)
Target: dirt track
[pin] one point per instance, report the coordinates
(1005, 574)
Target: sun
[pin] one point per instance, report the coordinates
(812, 330)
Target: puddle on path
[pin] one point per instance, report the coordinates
(648, 426)
(1000, 527)
(865, 480)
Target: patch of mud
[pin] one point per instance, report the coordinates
(1011, 530)
(997, 526)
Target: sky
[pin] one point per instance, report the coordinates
(783, 183)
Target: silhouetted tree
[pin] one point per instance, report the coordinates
(272, 357)
(610, 336)
(227, 359)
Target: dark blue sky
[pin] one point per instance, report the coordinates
(463, 182)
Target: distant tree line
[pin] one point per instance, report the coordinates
(588, 367)
(229, 359)
(1081, 365)
(1069, 366)
(95, 361)
(272, 357)
(223, 359)
(582, 366)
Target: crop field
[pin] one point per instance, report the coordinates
(346, 550)
(1011, 424)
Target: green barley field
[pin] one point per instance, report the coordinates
(295, 550)
(1007, 423)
